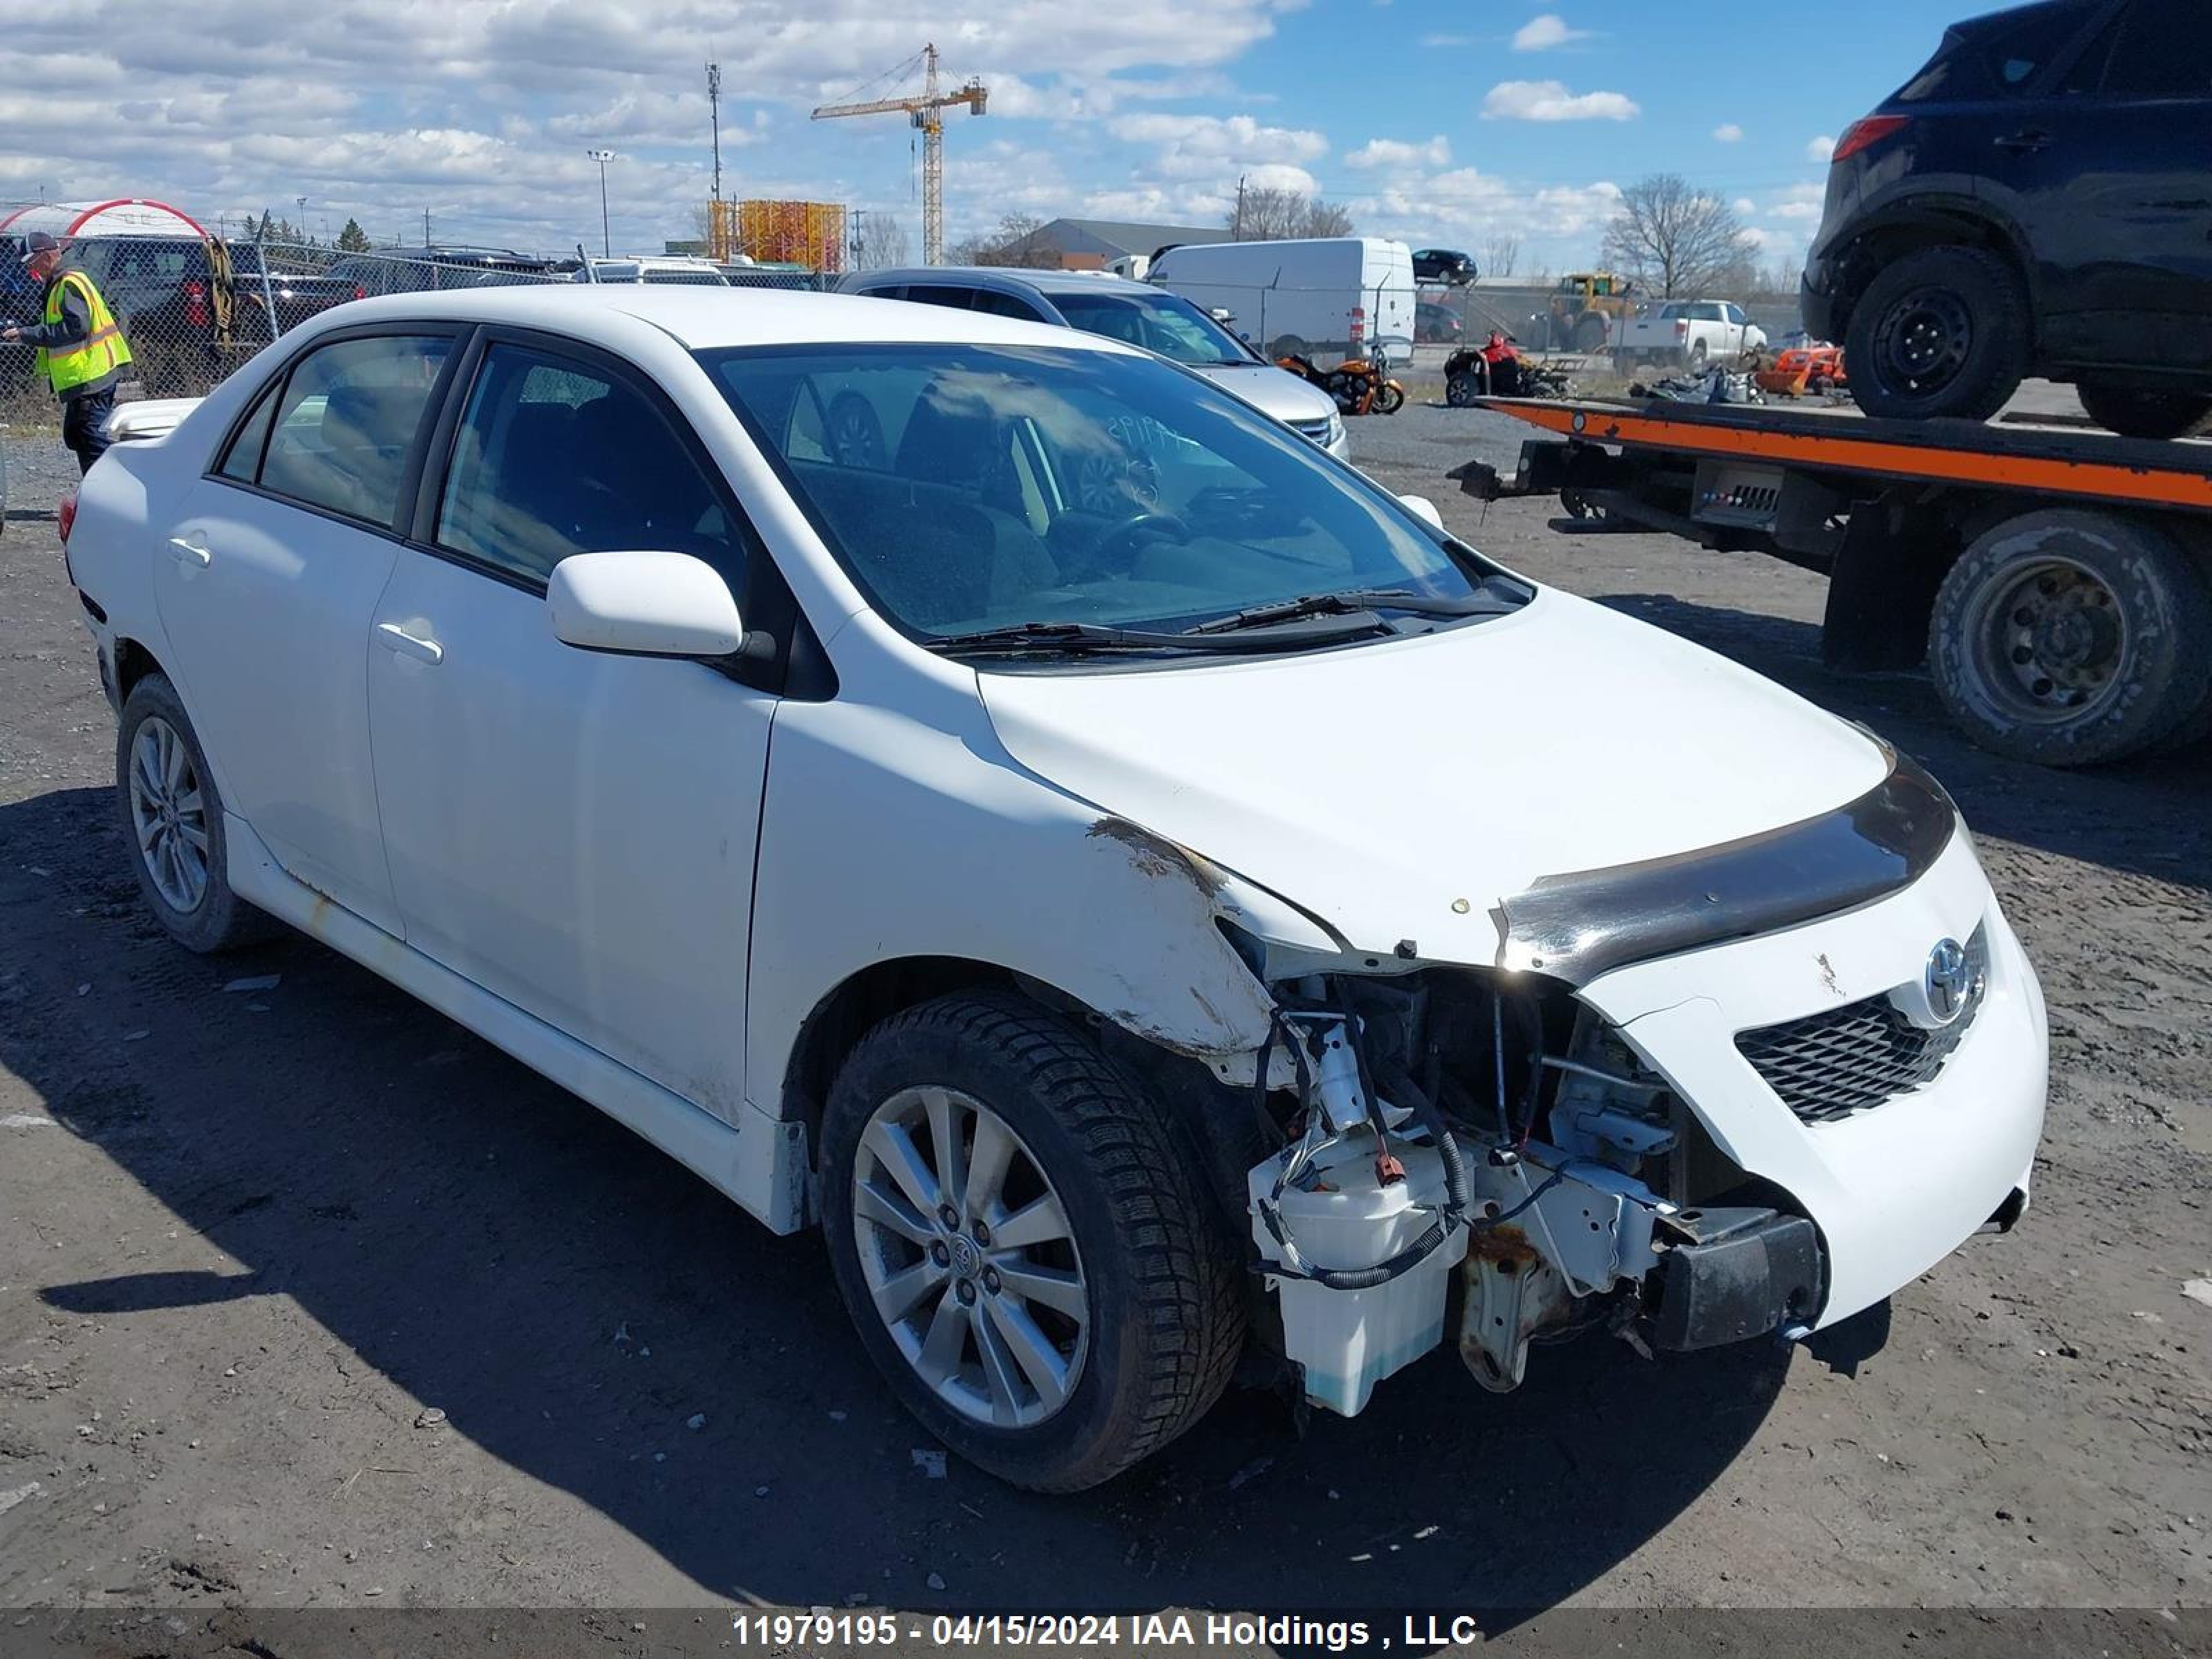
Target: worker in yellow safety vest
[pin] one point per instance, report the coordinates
(81, 350)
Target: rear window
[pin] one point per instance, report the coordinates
(1997, 56)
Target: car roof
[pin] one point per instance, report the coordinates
(1012, 277)
(704, 319)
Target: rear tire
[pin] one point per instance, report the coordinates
(173, 822)
(2069, 638)
(2139, 414)
(1154, 1275)
(1942, 331)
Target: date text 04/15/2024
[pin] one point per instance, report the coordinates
(1419, 1632)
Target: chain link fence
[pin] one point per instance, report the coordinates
(192, 309)
(1450, 316)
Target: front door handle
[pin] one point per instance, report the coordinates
(185, 550)
(2021, 142)
(399, 639)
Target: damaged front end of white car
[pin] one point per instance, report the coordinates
(1737, 1093)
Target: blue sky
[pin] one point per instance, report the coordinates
(1448, 122)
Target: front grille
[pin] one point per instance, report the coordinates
(1315, 430)
(1847, 1060)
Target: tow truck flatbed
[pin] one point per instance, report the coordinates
(2056, 579)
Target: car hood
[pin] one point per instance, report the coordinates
(1275, 393)
(1402, 791)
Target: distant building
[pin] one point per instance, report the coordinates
(1098, 244)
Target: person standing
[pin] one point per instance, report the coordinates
(81, 351)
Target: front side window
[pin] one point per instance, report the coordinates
(348, 415)
(556, 456)
(968, 488)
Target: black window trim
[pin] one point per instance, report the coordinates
(797, 667)
(410, 470)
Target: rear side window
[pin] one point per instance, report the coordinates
(1004, 305)
(2163, 50)
(347, 416)
(1997, 56)
(556, 456)
(939, 293)
(241, 462)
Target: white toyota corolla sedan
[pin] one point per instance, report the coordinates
(1151, 895)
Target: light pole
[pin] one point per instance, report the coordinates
(606, 239)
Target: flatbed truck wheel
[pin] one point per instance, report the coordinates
(2069, 637)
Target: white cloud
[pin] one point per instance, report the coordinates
(1729, 133)
(1820, 148)
(1211, 146)
(1378, 153)
(1743, 205)
(1447, 40)
(1543, 31)
(1550, 100)
(1467, 203)
(1802, 201)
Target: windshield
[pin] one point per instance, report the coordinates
(1165, 323)
(968, 488)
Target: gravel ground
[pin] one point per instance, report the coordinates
(309, 1299)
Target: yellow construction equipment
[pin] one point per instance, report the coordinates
(810, 233)
(924, 113)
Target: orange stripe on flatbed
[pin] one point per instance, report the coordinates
(2106, 480)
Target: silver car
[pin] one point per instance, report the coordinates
(1135, 313)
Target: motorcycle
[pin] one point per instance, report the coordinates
(1496, 368)
(1361, 386)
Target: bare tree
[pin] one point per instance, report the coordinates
(877, 241)
(1676, 241)
(1015, 241)
(1499, 255)
(1267, 215)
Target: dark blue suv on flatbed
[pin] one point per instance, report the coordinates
(2037, 200)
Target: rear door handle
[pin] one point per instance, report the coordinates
(185, 550)
(399, 639)
(2021, 142)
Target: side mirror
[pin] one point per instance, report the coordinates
(643, 605)
(1422, 509)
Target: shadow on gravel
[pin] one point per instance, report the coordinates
(2146, 816)
(570, 1298)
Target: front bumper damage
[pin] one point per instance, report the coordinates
(1623, 1164)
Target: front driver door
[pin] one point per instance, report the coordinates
(573, 831)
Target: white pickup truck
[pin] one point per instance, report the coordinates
(1691, 331)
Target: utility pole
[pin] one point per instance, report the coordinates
(924, 113)
(1236, 230)
(714, 116)
(606, 238)
(426, 227)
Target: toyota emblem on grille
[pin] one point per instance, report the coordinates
(1948, 981)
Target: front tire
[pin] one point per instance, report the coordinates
(1461, 390)
(1942, 331)
(2070, 638)
(173, 823)
(1022, 1243)
(2133, 413)
(1389, 398)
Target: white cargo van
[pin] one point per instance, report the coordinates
(1319, 295)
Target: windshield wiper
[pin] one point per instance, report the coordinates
(1084, 637)
(1358, 601)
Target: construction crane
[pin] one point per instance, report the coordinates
(924, 113)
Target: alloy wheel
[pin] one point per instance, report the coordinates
(969, 1257)
(169, 812)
